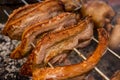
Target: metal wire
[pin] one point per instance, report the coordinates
(96, 69)
(78, 52)
(24, 2)
(115, 54)
(6, 12)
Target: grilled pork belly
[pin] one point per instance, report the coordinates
(31, 14)
(34, 33)
(70, 43)
(53, 39)
(64, 40)
(65, 72)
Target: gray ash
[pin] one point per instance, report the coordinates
(9, 68)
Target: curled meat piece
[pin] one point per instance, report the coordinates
(70, 43)
(31, 14)
(51, 40)
(101, 12)
(57, 37)
(34, 33)
(69, 71)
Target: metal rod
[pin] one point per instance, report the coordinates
(6, 12)
(33, 45)
(100, 72)
(115, 54)
(39, 1)
(24, 2)
(50, 65)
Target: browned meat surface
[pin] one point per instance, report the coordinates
(114, 42)
(70, 43)
(55, 38)
(71, 5)
(32, 34)
(116, 76)
(17, 13)
(59, 58)
(63, 39)
(28, 15)
(69, 71)
(101, 12)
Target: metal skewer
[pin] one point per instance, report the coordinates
(24, 2)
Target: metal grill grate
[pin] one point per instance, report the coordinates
(77, 51)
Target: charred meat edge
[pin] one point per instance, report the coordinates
(15, 28)
(29, 36)
(20, 12)
(49, 40)
(69, 71)
(70, 43)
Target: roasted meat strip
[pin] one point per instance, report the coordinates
(100, 11)
(57, 37)
(69, 43)
(28, 15)
(33, 33)
(21, 11)
(38, 54)
(69, 71)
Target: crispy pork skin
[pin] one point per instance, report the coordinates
(70, 43)
(100, 11)
(34, 33)
(65, 72)
(50, 41)
(31, 14)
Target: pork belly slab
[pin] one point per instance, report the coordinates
(31, 14)
(55, 43)
(65, 72)
(34, 33)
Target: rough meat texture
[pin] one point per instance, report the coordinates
(57, 37)
(38, 54)
(69, 71)
(70, 43)
(34, 33)
(35, 13)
